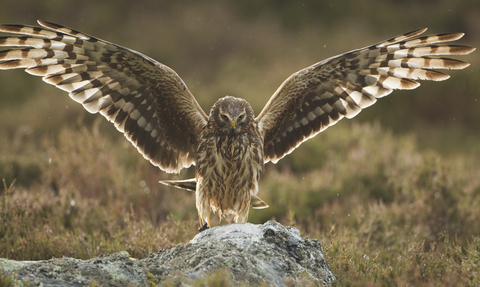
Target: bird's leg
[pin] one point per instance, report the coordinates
(206, 225)
(203, 228)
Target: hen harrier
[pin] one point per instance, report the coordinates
(151, 105)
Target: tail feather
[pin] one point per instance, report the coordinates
(187, 184)
(257, 203)
(191, 185)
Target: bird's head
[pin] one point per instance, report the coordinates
(231, 115)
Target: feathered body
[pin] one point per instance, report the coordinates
(229, 161)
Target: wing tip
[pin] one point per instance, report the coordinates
(408, 84)
(412, 33)
(454, 64)
(47, 24)
(458, 50)
(417, 32)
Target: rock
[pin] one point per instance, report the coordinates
(240, 253)
(112, 270)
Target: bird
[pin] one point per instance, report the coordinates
(151, 105)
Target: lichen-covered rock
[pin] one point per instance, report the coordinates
(112, 270)
(250, 254)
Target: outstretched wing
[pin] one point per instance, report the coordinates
(319, 96)
(145, 100)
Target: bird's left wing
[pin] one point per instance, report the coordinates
(319, 96)
(145, 99)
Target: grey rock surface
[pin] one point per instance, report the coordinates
(251, 254)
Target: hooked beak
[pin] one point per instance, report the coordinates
(232, 126)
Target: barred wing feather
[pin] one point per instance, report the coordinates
(145, 99)
(319, 96)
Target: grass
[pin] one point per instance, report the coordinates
(388, 209)
(386, 212)
(97, 205)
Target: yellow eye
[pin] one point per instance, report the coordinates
(224, 117)
(241, 117)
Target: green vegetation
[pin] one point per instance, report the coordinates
(393, 195)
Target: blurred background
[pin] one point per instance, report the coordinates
(404, 169)
(248, 48)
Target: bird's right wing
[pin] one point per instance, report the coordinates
(146, 100)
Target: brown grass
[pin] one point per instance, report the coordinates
(386, 212)
(392, 204)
